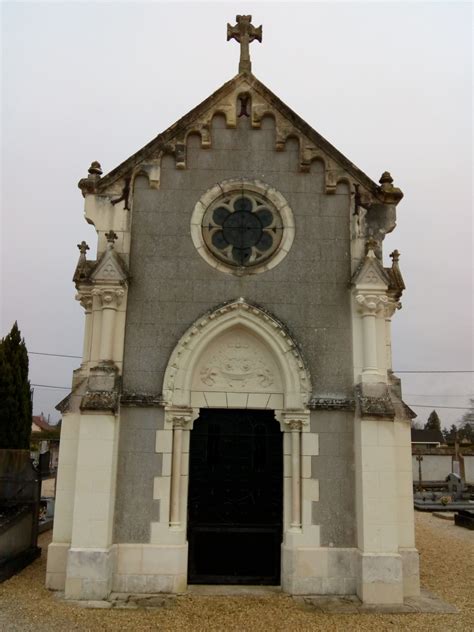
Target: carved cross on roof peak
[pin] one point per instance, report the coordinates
(244, 32)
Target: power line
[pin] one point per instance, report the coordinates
(468, 396)
(63, 355)
(436, 406)
(55, 355)
(66, 388)
(462, 371)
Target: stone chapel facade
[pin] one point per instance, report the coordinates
(235, 417)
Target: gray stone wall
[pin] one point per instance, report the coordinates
(172, 285)
(334, 468)
(137, 465)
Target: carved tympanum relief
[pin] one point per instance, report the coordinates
(237, 361)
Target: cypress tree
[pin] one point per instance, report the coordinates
(434, 422)
(15, 392)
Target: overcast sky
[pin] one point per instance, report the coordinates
(389, 84)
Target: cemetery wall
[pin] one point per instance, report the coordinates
(469, 469)
(436, 467)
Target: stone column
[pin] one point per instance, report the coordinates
(179, 423)
(175, 518)
(391, 306)
(85, 299)
(110, 300)
(295, 426)
(369, 305)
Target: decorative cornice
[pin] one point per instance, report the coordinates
(329, 403)
(100, 400)
(144, 400)
(375, 406)
(263, 102)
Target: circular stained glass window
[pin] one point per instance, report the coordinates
(242, 229)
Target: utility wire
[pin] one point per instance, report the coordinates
(434, 371)
(435, 406)
(66, 388)
(62, 355)
(55, 355)
(468, 396)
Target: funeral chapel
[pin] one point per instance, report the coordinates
(235, 418)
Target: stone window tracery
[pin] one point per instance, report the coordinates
(242, 227)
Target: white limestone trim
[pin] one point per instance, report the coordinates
(253, 186)
(295, 378)
(369, 335)
(295, 424)
(85, 297)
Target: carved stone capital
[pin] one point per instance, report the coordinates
(181, 422)
(370, 304)
(110, 297)
(296, 422)
(85, 298)
(391, 307)
(179, 418)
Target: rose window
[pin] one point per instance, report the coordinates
(242, 229)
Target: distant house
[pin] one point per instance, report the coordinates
(40, 424)
(426, 438)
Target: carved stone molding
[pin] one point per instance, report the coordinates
(110, 297)
(296, 422)
(328, 403)
(370, 304)
(179, 376)
(85, 298)
(391, 307)
(142, 400)
(180, 418)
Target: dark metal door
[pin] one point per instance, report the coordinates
(235, 499)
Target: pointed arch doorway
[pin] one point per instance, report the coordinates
(235, 497)
(235, 381)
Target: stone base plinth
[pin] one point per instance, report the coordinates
(380, 578)
(319, 571)
(89, 573)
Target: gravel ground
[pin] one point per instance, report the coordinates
(447, 558)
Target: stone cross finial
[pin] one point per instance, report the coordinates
(244, 32)
(83, 248)
(111, 236)
(395, 256)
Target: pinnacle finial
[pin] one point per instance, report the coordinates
(395, 256)
(386, 178)
(244, 32)
(83, 248)
(95, 169)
